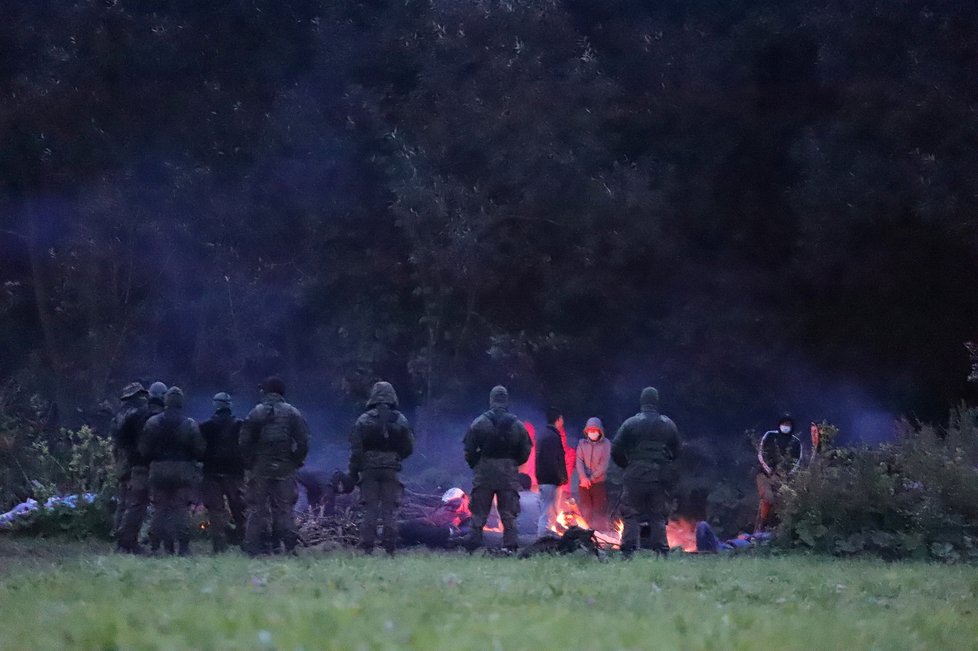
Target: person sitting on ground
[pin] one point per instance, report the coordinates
(707, 542)
(317, 490)
(446, 523)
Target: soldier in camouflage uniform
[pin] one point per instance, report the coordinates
(137, 497)
(380, 441)
(646, 446)
(126, 427)
(496, 445)
(138, 500)
(173, 445)
(274, 443)
(223, 473)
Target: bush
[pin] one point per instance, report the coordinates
(915, 498)
(85, 520)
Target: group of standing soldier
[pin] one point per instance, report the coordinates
(158, 450)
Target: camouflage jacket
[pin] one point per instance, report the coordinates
(497, 434)
(646, 446)
(274, 439)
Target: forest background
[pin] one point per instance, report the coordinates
(757, 206)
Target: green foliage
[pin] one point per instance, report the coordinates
(59, 596)
(39, 464)
(915, 498)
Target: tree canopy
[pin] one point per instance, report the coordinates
(755, 205)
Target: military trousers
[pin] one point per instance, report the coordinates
(270, 498)
(136, 504)
(499, 479)
(219, 494)
(122, 493)
(172, 485)
(380, 494)
(645, 502)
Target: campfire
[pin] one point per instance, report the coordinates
(680, 532)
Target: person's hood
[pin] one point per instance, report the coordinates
(594, 423)
(272, 398)
(173, 399)
(649, 399)
(786, 418)
(498, 397)
(382, 394)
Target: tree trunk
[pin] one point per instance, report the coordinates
(41, 300)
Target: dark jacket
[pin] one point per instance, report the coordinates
(647, 444)
(779, 453)
(497, 434)
(551, 458)
(381, 437)
(127, 428)
(223, 454)
(171, 437)
(274, 439)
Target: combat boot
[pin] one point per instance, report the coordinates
(474, 540)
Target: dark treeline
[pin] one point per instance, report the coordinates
(755, 205)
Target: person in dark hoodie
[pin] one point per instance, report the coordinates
(172, 444)
(496, 445)
(593, 457)
(274, 443)
(646, 447)
(223, 473)
(551, 468)
(381, 440)
(778, 456)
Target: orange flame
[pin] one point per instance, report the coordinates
(680, 532)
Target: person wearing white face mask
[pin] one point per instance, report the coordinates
(593, 456)
(778, 456)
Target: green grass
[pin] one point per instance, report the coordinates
(55, 596)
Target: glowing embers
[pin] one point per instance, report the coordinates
(680, 532)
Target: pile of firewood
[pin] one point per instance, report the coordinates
(341, 528)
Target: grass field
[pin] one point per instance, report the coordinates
(55, 596)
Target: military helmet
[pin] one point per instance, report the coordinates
(132, 390)
(221, 401)
(157, 390)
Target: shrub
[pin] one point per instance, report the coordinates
(84, 520)
(916, 497)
